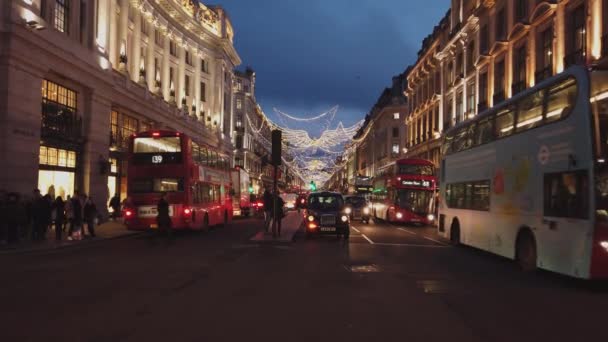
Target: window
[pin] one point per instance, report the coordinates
(483, 91)
(560, 99)
(395, 132)
(471, 57)
(469, 195)
(62, 16)
(459, 65)
(239, 104)
(144, 25)
(459, 107)
(545, 58)
(504, 123)
(203, 65)
(203, 92)
(188, 57)
(396, 116)
(567, 194)
(158, 38)
(519, 69)
(395, 149)
(484, 132)
(530, 111)
(471, 99)
(579, 34)
(83, 21)
(521, 10)
(171, 79)
(187, 85)
(450, 75)
(57, 157)
(129, 126)
(173, 48)
(484, 39)
(157, 145)
(499, 78)
(157, 185)
(59, 112)
(501, 22)
(447, 116)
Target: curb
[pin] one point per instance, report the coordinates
(81, 244)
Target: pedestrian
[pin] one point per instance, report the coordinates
(16, 217)
(69, 214)
(115, 205)
(59, 209)
(37, 214)
(90, 214)
(278, 212)
(268, 202)
(163, 219)
(48, 214)
(76, 228)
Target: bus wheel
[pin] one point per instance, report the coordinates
(525, 251)
(455, 233)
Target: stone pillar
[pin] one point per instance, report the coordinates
(595, 36)
(150, 70)
(113, 45)
(166, 82)
(197, 82)
(123, 28)
(560, 37)
(20, 108)
(135, 55)
(180, 86)
(96, 150)
(441, 96)
(102, 29)
(531, 62)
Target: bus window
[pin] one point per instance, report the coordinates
(447, 145)
(481, 196)
(484, 131)
(530, 111)
(561, 99)
(206, 194)
(196, 153)
(504, 123)
(566, 195)
(212, 158)
(204, 156)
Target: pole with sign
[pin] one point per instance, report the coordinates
(276, 162)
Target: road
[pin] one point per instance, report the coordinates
(388, 283)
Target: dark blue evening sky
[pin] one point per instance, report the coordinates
(312, 55)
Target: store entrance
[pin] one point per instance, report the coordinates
(56, 183)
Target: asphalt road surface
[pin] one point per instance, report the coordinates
(388, 283)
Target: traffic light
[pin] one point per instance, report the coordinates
(250, 189)
(313, 186)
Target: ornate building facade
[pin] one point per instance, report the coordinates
(80, 77)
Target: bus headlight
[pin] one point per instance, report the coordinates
(348, 210)
(311, 218)
(344, 218)
(366, 211)
(399, 216)
(430, 217)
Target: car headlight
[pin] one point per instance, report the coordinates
(311, 218)
(344, 218)
(431, 217)
(366, 211)
(399, 216)
(348, 210)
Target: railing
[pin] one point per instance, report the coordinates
(543, 73)
(498, 97)
(60, 124)
(575, 57)
(518, 87)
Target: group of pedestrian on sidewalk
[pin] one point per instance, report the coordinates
(34, 218)
(273, 207)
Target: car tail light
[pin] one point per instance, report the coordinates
(156, 134)
(128, 213)
(312, 225)
(187, 211)
(260, 204)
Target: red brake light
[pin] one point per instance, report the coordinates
(128, 213)
(260, 204)
(187, 211)
(156, 134)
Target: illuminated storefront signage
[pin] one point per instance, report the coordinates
(418, 183)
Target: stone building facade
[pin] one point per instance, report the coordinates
(78, 78)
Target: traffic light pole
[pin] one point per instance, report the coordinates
(274, 203)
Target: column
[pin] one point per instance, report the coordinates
(531, 63)
(102, 29)
(135, 57)
(123, 27)
(560, 37)
(180, 86)
(166, 82)
(96, 150)
(465, 85)
(150, 71)
(113, 46)
(441, 96)
(197, 82)
(595, 38)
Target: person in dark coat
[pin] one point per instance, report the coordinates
(47, 210)
(115, 205)
(268, 202)
(278, 213)
(163, 219)
(59, 208)
(38, 215)
(77, 216)
(90, 213)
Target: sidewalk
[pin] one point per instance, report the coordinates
(290, 225)
(105, 231)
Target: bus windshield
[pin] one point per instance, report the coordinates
(157, 145)
(156, 185)
(417, 201)
(409, 169)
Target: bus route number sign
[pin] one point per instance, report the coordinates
(419, 183)
(157, 159)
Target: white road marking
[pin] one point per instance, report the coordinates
(355, 229)
(431, 239)
(368, 239)
(407, 231)
(408, 245)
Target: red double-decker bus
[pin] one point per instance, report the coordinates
(406, 193)
(194, 177)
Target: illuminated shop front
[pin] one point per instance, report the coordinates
(57, 172)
